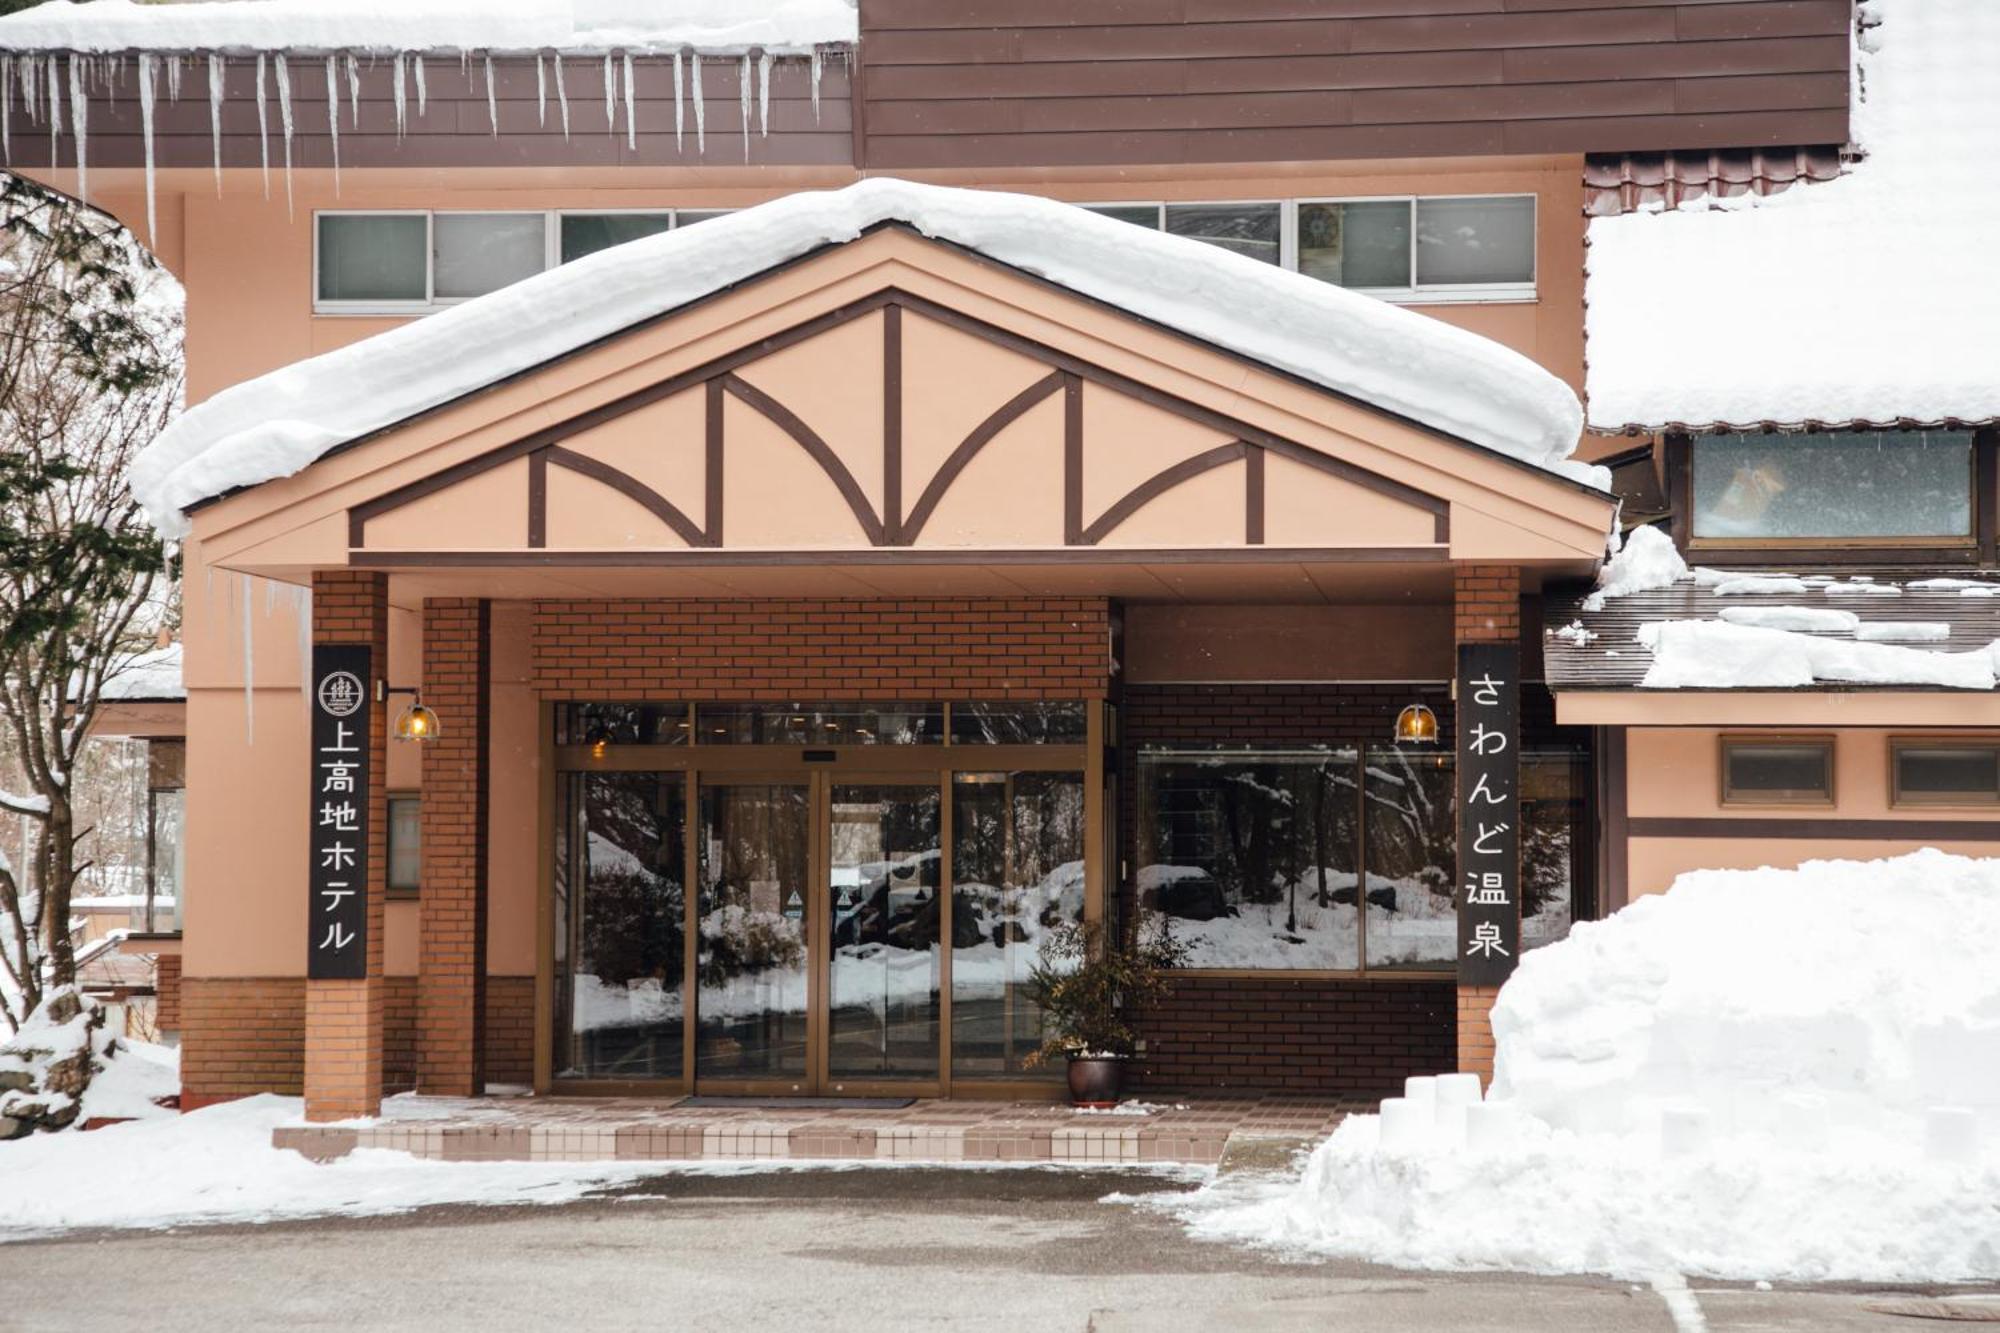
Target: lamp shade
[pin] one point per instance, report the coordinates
(1416, 725)
(416, 723)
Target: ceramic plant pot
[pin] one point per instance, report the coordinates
(1094, 1079)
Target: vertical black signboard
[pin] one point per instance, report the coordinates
(1489, 814)
(342, 697)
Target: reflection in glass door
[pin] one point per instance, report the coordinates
(884, 914)
(751, 1009)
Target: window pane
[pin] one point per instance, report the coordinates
(168, 862)
(1555, 839)
(1356, 245)
(1017, 873)
(587, 233)
(1248, 229)
(1412, 858)
(819, 724)
(1970, 773)
(377, 258)
(1017, 724)
(1476, 240)
(405, 842)
(1778, 771)
(621, 724)
(687, 217)
(1139, 215)
(751, 1005)
(166, 764)
(1251, 856)
(884, 1012)
(1843, 484)
(622, 912)
(479, 253)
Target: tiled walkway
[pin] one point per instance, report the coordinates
(1194, 1131)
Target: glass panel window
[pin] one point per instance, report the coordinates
(477, 253)
(1248, 229)
(167, 862)
(687, 217)
(1361, 244)
(1250, 856)
(1836, 485)
(1777, 772)
(405, 843)
(1412, 858)
(1016, 874)
(885, 931)
(819, 724)
(1555, 842)
(1017, 724)
(1464, 242)
(621, 905)
(587, 233)
(1139, 215)
(373, 257)
(1941, 772)
(751, 1004)
(621, 724)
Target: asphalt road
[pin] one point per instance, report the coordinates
(859, 1250)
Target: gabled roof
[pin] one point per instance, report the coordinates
(1395, 360)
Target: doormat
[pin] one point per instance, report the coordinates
(797, 1103)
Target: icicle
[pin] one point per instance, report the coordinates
(743, 103)
(243, 609)
(146, 133)
(79, 115)
(353, 92)
(333, 124)
(764, 94)
(700, 115)
(215, 76)
(402, 99)
(31, 82)
(677, 101)
(541, 91)
(423, 89)
(55, 101)
(285, 119)
(173, 78)
(492, 106)
(562, 95)
(631, 108)
(6, 95)
(465, 65)
(610, 97)
(263, 128)
(302, 610)
(818, 65)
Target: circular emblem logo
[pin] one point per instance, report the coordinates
(341, 693)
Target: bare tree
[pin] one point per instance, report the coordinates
(90, 371)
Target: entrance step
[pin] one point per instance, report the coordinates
(1254, 1152)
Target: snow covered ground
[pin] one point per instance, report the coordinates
(1770, 1074)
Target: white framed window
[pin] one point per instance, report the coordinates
(1413, 249)
(414, 261)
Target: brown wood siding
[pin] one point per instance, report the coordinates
(989, 83)
(454, 129)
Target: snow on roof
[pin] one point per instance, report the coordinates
(151, 675)
(430, 25)
(1397, 360)
(1867, 299)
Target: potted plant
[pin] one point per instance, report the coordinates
(1089, 993)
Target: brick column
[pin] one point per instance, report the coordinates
(451, 906)
(167, 993)
(1486, 608)
(343, 1073)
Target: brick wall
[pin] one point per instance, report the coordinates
(510, 1030)
(1033, 648)
(1475, 1030)
(399, 1034)
(451, 951)
(167, 993)
(1297, 1034)
(1487, 604)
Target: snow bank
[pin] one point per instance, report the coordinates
(1864, 299)
(1706, 654)
(431, 25)
(1399, 360)
(1646, 561)
(1782, 1074)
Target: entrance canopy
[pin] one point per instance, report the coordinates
(896, 413)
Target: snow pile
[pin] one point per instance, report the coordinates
(218, 1165)
(1781, 1074)
(1646, 561)
(1864, 299)
(431, 25)
(1707, 654)
(153, 674)
(1401, 361)
(1806, 619)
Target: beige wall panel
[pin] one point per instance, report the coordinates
(1126, 443)
(952, 381)
(1751, 709)
(586, 514)
(1676, 773)
(246, 836)
(514, 754)
(1304, 506)
(1654, 862)
(1011, 493)
(1206, 510)
(406, 667)
(833, 383)
(485, 512)
(663, 444)
(1179, 644)
(214, 608)
(402, 924)
(773, 493)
